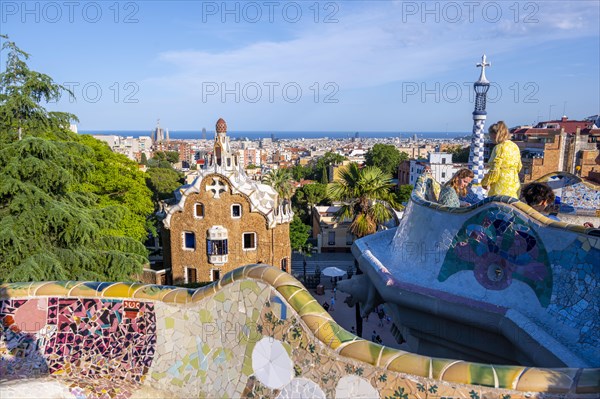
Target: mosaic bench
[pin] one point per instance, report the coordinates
(255, 333)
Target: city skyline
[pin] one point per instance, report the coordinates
(312, 66)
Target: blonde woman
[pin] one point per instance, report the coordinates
(456, 187)
(504, 164)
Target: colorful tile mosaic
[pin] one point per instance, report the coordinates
(105, 340)
(573, 194)
(499, 245)
(256, 333)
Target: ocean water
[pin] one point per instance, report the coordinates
(255, 135)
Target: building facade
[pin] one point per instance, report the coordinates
(546, 150)
(440, 163)
(224, 220)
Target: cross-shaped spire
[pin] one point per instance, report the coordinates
(482, 65)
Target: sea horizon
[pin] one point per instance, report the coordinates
(289, 135)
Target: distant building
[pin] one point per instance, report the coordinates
(224, 220)
(333, 171)
(158, 135)
(440, 163)
(569, 126)
(545, 150)
(331, 236)
(131, 147)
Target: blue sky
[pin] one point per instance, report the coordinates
(308, 65)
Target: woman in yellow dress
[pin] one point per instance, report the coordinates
(504, 164)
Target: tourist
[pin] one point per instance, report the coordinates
(504, 164)
(374, 336)
(381, 315)
(332, 304)
(353, 330)
(455, 188)
(378, 339)
(539, 196)
(326, 306)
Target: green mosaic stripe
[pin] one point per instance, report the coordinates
(331, 334)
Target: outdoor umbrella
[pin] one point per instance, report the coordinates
(333, 271)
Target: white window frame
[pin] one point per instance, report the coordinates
(236, 217)
(183, 244)
(244, 241)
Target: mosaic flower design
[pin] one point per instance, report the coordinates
(500, 247)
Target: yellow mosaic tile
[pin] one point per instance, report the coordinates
(482, 374)
(57, 288)
(256, 271)
(508, 375)
(457, 372)
(364, 351)
(82, 290)
(15, 290)
(178, 295)
(288, 291)
(287, 279)
(387, 355)
(438, 366)
(121, 290)
(544, 380)
(411, 363)
(270, 275)
(151, 291)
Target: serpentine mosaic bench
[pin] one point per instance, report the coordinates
(255, 333)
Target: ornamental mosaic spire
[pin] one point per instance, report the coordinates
(481, 88)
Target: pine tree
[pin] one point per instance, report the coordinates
(69, 207)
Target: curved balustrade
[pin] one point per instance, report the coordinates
(256, 332)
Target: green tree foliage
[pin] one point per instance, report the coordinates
(403, 193)
(365, 197)
(319, 170)
(311, 194)
(163, 181)
(22, 90)
(300, 172)
(324, 176)
(459, 154)
(299, 234)
(281, 181)
(308, 196)
(144, 159)
(69, 207)
(164, 158)
(386, 157)
(117, 181)
(52, 227)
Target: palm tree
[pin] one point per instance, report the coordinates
(365, 197)
(281, 181)
(366, 200)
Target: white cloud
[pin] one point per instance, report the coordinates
(379, 44)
